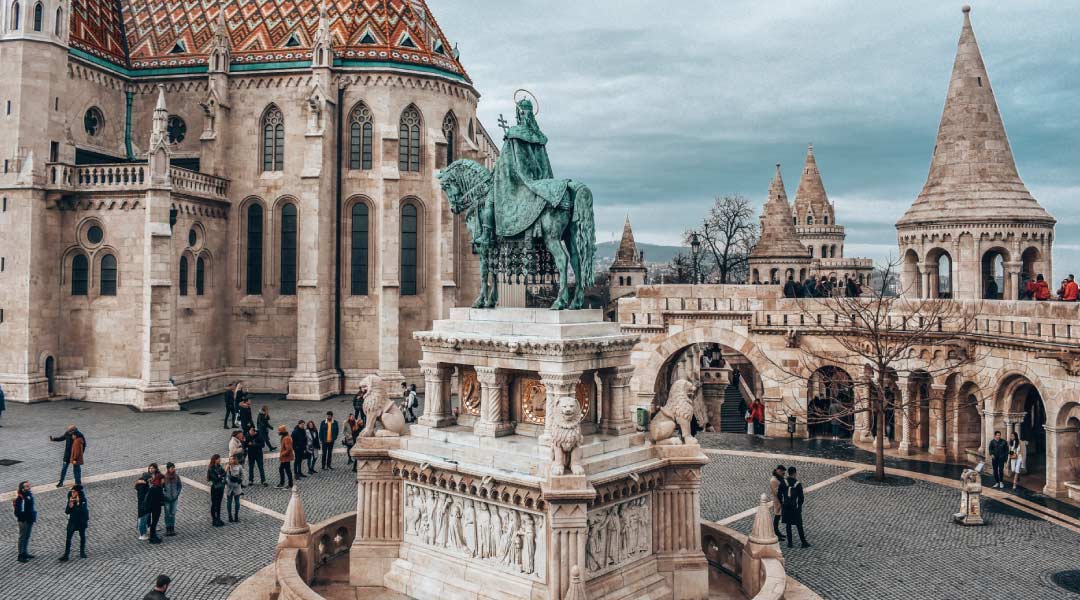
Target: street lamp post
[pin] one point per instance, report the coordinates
(695, 250)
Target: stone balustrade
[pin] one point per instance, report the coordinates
(723, 549)
(294, 568)
(131, 177)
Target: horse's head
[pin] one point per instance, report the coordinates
(465, 182)
(450, 181)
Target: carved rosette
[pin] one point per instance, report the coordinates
(469, 392)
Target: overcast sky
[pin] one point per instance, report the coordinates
(659, 106)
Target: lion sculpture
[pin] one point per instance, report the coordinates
(675, 415)
(566, 438)
(380, 409)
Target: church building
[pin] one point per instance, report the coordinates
(195, 193)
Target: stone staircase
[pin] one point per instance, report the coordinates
(732, 413)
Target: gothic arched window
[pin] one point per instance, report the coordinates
(409, 249)
(449, 129)
(80, 275)
(200, 276)
(108, 275)
(273, 139)
(183, 275)
(409, 140)
(826, 218)
(361, 137)
(39, 16)
(359, 263)
(810, 220)
(58, 25)
(15, 16)
(288, 249)
(254, 249)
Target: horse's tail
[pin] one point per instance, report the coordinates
(584, 233)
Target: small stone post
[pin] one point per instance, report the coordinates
(296, 533)
(762, 543)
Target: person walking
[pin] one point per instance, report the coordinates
(253, 445)
(285, 458)
(263, 423)
(313, 446)
(757, 417)
(161, 585)
(215, 476)
(142, 488)
(236, 446)
(246, 419)
(348, 437)
(74, 449)
(999, 453)
(358, 407)
(155, 500)
(171, 492)
(1016, 457)
(776, 487)
(793, 505)
(328, 435)
(411, 404)
(78, 519)
(299, 443)
(230, 405)
(235, 485)
(26, 515)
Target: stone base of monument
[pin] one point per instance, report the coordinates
(482, 510)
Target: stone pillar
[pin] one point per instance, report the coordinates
(379, 519)
(761, 544)
(556, 385)
(937, 417)
(676, 529)
(1062, 459)
(616, 418)
(567, 500)
(1012, 280)
(296, 533)
(437, 411)
(863, 430)
(905, 419)
(494, 418)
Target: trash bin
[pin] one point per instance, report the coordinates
(641, 418)
(791, 425)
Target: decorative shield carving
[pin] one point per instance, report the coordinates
(469, 392)
(532, 398)
(585, 392)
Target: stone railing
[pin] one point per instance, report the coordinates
(288, 569)
(131, 177)
(295, 567)
(724, 547)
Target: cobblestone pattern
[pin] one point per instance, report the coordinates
(909, 548)
(733, 484)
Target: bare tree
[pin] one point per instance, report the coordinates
(679, 270)
(879, 338)
(727, 234)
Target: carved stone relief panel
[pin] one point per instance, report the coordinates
(469, 392)
(530, 397)
(500, 537)
(618, 535)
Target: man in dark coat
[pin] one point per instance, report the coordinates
(246, 420)
(789, 289)
(328, 435)
(299, 440)
(230, 405)
(142, 486)
(161, 585)
(999, 453)
(253, 444)
(78, 513)
(793, 503)
(154, 501)
(263, 424)
(3, 403)
(70, 435)
(26, 515)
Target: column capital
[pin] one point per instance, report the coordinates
(555, 380)
(491, 376)
(434, 369)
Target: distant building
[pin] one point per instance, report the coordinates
(628, 270)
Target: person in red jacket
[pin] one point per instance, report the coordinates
(1071, 291)
(1039, 289)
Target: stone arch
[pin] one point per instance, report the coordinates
(993, 275)
(830, 396)
(1020, 407)
(909, 274)
(963, 420)
(1030, 263)
(939, 265)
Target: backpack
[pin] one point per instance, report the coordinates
(790, 503)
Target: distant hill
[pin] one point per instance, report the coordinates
(605, 252)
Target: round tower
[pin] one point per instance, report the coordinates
(778, 255)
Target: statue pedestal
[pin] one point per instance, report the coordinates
(970, 500)
(466, 510)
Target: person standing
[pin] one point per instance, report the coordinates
(328, 435)
(358, 407)
(26, 515)
(348, 437)
(999, 453)
(142, 488)
(3, 403)
(793, 504)
(757, 417)
(155, 500)
(215, 476)
(1016, 457)
(73, 453)
(411, 403)
(313, 446)
(171, 491)
(236, 446)
(239, 397)
(263, 421)
(161, 585)
(246, 420)
(230, 405)
(776, 487)
(235, 485)
(78, 518)
(253, 444)
(299, 443)
(285, 458)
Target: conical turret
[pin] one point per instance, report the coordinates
(810, 198)
(973, 174)
(627, 255)
(778, 237)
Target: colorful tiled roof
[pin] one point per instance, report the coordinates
(165, 34)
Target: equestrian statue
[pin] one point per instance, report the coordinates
(525, 223)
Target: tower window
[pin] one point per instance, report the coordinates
(254, 249)
(39, 16)
(449, 128)
(177, 129)
(80, 275)
(409, 249)
(288, 250)
(108, 275)
(361, 137)
(409, 140)
(359, 263)
(200, 276)
(273, 126)
(183, 275)
(93, 121)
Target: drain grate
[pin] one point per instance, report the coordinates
(7, 462)
(1067, 580)
(225, 580)
(201, 412)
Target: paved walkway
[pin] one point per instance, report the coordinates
(869, 541)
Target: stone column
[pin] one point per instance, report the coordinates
(863, 431)
(937, 417)
(379, 520)
(1012, 280)
(437, 411)
(1062, 459)
(905, 419)
(676, 530)
(616, 418)
(557, 385)
(494, 418)
(567, 500)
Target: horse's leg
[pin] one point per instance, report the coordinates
(493, 292)
(575, 259)
(552, 228)
(481, 299)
